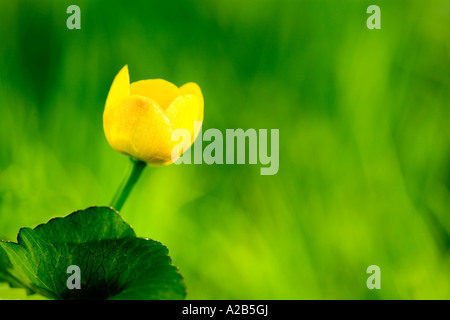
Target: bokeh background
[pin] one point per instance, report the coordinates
(364, 138)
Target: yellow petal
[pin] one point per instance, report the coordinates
(193, 88)
(161, 91)
(136, 126)
(183, 112)
(120, 87)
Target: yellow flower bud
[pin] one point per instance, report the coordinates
(139, 118)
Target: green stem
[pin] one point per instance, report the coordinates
(128, 184)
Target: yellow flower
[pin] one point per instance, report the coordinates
(139, 118)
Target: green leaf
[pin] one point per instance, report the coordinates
(114, 263)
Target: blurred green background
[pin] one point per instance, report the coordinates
(364, 138)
